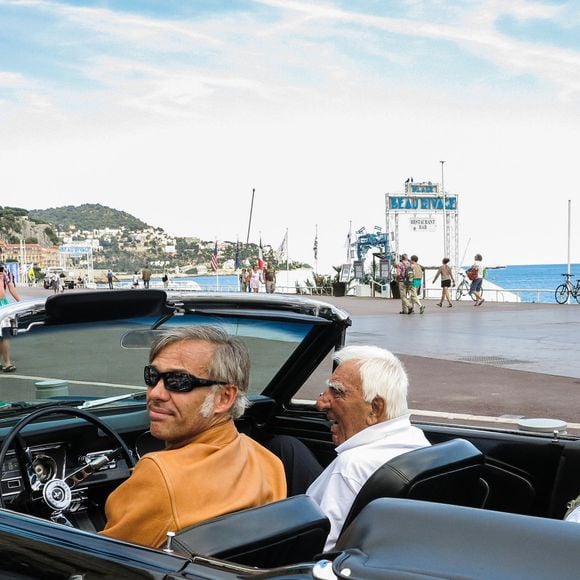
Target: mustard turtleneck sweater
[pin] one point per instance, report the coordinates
(218, 472)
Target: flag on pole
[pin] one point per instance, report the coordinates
(315, 247)
(283, 248)
(260, 256)
(214, 258)
(348, 243)
(238, 261)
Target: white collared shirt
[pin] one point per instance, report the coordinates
(357, 459)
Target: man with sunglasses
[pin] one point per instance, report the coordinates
(198, 380)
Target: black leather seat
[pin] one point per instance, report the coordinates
(509, 491)
(400, 538)
(448, 472)
(285, 532)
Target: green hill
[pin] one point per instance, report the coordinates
(89, 216)
(16, 226)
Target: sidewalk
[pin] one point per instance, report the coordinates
(506, 360)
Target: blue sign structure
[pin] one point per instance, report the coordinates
(422, 203)
(74, 250)
(79, 251)
(421, 208)
(366, 241)
(423, 188)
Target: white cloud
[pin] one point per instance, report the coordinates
(321, 109)
(12, 80)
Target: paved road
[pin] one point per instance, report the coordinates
(494, 363)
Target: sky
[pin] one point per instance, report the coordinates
(176, 111)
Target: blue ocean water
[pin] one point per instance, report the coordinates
(544, 277)
(224, 283)
(536, 276)
(518, 277)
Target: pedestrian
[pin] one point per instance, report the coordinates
(55, 282)
(255, 279)
(6, 285)
(415, 283)
(244, 280)
(31, 276)
(447, 281)
(135, 283)
(110, 278)
(165, 280)
(476, 288)
(146, 275)
(270, 278)
(402, 272)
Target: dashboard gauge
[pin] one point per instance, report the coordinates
(44, 467)
(10, 464)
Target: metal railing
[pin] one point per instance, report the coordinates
(379, 289)
(531, 295)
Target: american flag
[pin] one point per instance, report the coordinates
(260, 256)
(214, 258)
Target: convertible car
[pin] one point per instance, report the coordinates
(478, 503)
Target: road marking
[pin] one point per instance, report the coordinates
(454, 416)
(467, 417)
(75, 382)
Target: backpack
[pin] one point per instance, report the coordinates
(401, 272)
(409, 274)
(472, 273)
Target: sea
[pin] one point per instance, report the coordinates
(541, 278)
(286, 282)
(532, 283)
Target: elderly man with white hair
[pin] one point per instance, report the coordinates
(366, 401)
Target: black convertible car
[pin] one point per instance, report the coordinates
(479, 503)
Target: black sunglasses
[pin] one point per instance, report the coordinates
(176, 381)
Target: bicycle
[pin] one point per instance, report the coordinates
(567, 289)
(463, 288)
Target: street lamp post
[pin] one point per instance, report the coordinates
(444, 210)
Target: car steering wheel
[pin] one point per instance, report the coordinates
(56, 494)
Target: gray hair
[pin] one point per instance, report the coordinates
(230, 362)
(382, 374)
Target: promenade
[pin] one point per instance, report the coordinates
(488, 365)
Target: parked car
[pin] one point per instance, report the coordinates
(73, 421)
